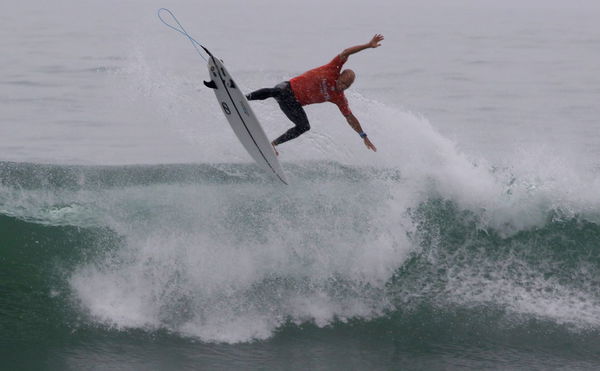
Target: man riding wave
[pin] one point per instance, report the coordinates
(322, 84)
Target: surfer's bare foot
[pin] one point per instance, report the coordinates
(274, 149)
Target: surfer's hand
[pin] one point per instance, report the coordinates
(370, 145)
(376, 41)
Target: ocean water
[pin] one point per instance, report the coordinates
(137, 234)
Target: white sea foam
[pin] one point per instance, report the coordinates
(233, 262)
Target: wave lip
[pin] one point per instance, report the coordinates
(219, 252)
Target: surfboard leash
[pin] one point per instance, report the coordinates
(182, 31)
(194, 42)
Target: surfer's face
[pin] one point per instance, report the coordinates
(345, 80)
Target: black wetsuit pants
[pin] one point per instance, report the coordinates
(289, 105)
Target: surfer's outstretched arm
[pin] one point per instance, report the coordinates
(374, 43)
(355, 124)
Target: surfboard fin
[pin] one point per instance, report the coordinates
(210, 84)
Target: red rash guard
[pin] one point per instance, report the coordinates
(318, 86)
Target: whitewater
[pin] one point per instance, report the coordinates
(131, 218)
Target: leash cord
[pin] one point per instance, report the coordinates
(182, 31)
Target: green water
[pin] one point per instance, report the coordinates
(464, 296)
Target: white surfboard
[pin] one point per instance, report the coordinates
(244, 123)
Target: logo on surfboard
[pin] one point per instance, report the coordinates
(225, 108)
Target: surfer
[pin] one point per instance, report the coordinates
(322, 84)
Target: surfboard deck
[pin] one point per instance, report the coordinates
(242, 119)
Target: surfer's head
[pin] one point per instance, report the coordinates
(345, 80)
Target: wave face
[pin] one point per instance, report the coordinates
(222, 254)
